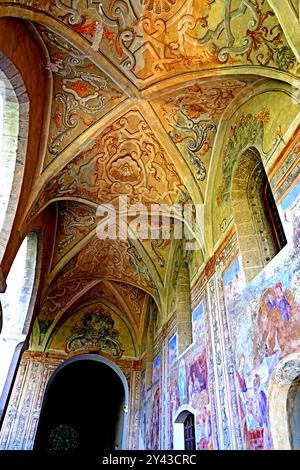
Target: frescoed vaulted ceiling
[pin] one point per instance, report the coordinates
(140, 89)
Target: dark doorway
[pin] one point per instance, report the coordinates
(82, 409)
(189, 432)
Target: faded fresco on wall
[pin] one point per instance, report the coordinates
(150, 403)
(289, 210)
(93, 327)
(155, 420)
(182, 382)
(143, 414)
(188, 383)
(197, 320)
(173, 386)
(156, 369)
(172, 350)
(153, 408)
(233, 282)
(267, 317)
(197, 379)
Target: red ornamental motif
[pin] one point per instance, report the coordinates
(195, 110)
(85, 28)
(108, 35)
(81, 88)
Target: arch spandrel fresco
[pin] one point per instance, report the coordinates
(253, 124)
(94, 328)
(190, 115)
(119, 296)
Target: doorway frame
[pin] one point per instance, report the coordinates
(286, 371)
(178, 426)
(115, 368)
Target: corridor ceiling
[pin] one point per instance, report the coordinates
(139, 91)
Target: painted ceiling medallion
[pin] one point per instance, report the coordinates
(126, 170)
(96, 332)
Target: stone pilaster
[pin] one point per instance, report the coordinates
(183, 307)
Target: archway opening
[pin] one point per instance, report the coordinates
(293, 409)
(14, 129)
(17, 305)
(259, 228)
(83, 409)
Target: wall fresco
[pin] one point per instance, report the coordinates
(234, 282)
(154, 434)
(143, 413)
(156, 369)
(172, 351)
(267, 317)
(289, 209)
(188, 383)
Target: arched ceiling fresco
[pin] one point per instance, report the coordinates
(139, 89)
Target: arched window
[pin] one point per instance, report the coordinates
(17, 305)
(258, 224)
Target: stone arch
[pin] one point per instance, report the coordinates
(18, 299)
(15, 128)
(239, 106)
(255, 232)
(17, 305)
(293, 405)
(26, 52)
(285, 373)
(122, 429)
